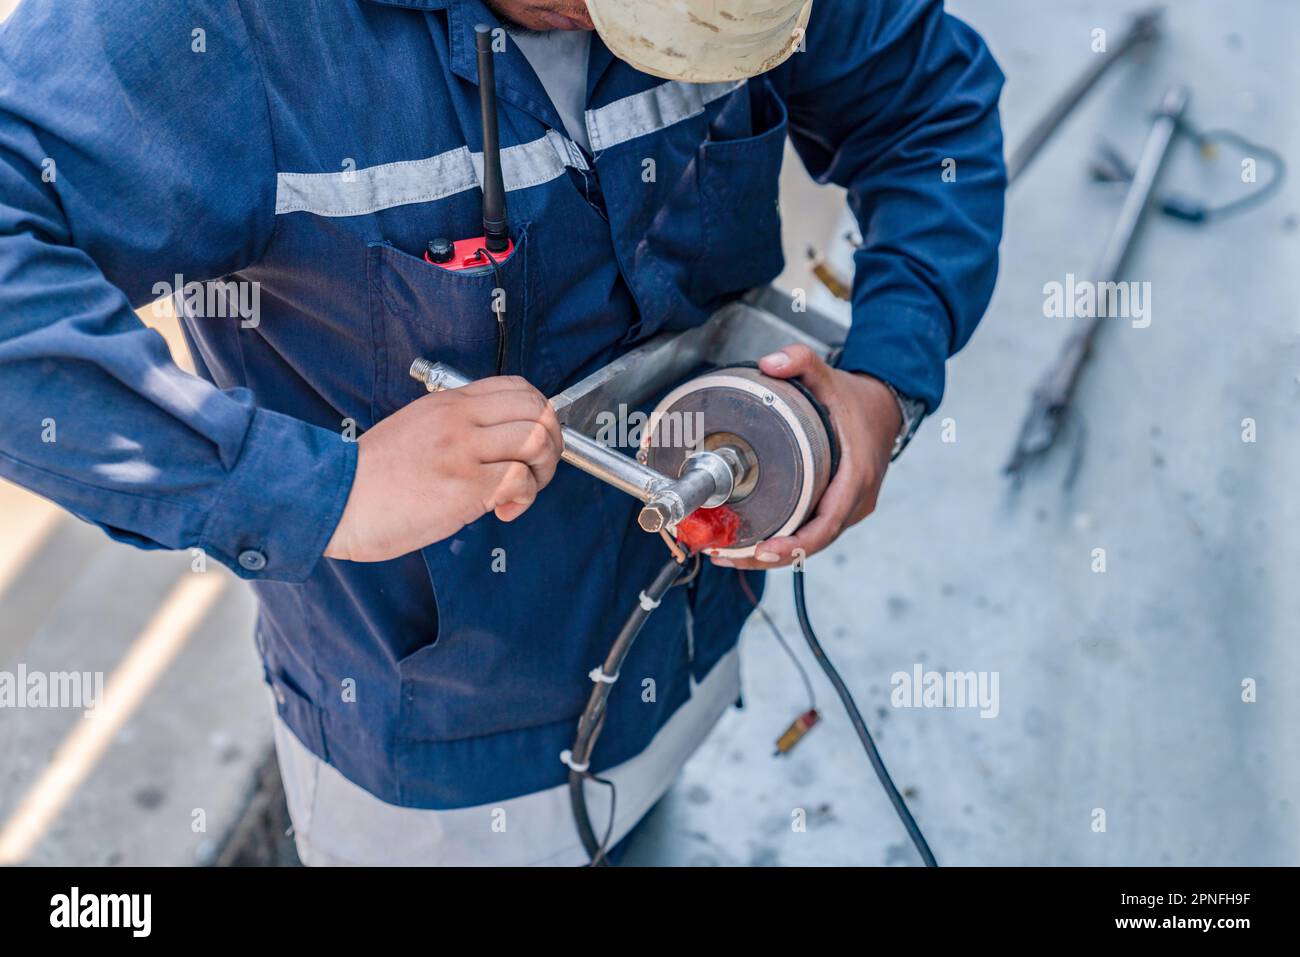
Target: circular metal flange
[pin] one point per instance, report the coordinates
(770, 424)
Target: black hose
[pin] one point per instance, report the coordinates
(499, 310)
(860, 726)
(589, 724)
(593, 717)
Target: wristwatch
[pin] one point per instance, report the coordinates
(912, 412)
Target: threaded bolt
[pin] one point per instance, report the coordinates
(421, 370)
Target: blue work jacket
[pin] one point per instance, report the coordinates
(301, 153)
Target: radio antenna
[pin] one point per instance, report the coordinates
(496, 229)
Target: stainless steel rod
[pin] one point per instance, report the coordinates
(1138, 198)
(625, 474)
(1144, 28)
(667, 501)
(1052, 394)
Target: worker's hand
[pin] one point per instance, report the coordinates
(444, 461)
(866, 418)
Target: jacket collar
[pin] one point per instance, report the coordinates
(517, 84)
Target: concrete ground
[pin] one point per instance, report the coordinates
(1120, 691)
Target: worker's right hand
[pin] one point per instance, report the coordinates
(444, 461)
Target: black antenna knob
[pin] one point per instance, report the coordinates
(441, 250)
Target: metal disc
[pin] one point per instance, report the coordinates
(776, 427)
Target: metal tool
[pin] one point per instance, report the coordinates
(707, 478)
(759, 445)
(774, 427)
(1051, 397)
(1144, 28)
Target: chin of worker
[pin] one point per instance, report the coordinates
(435, 589)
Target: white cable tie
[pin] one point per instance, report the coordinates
(566, 756)
(597, 675)
(648, 603)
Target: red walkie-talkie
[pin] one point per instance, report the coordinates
(482, 253)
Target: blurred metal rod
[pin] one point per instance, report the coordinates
(624, 473)
(1138, 198)
(1144, 27)
(1051, 397)
(708, 476)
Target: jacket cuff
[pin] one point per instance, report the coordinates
(901, 345)
(282, 501)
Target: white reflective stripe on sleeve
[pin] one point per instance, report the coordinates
(652, 110)
(361, 191)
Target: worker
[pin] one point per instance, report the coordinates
(432, 589)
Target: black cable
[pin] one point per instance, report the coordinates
(593, 717)
(1110, 166)
(1249, 150)
(600, 860)
(695, 572)
(503, 335)
(860, 726)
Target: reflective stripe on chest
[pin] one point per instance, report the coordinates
(358, 192)
(361, 191)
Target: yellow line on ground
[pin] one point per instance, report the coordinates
(145, 661)
(26, 521)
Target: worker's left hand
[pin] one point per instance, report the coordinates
(866, 418)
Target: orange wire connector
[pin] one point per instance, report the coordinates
(794, 734)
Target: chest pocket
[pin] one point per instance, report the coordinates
(739, 168)
(421, 310)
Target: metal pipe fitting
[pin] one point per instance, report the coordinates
(707, 480)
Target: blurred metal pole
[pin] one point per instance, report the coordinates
(1144, 27)
(1052, 396)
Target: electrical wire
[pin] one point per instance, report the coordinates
(678, 552)
(593, 716)
(780, 640)
(1110, 166)
(1206, 141)
(601, 859)
(860, 726)
(499, 310)
(694, 573)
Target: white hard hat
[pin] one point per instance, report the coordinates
(701, 41)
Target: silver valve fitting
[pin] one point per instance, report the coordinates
(707, 478)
